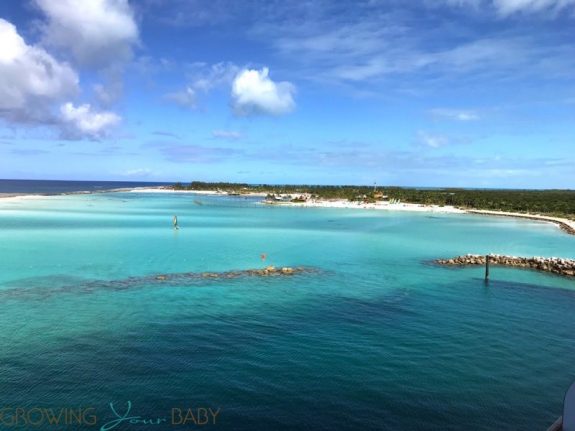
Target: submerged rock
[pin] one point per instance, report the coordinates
(180, 279)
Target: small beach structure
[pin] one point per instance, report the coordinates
(278, 198)
(380, 196)
(301, 198)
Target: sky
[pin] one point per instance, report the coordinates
(460, 93)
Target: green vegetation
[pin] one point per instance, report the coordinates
(560, 203)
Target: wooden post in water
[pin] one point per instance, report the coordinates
(486, 268)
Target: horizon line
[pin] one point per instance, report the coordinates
(293, 184)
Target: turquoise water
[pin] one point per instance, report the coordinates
(378, 338)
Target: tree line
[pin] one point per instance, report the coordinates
(550, 202)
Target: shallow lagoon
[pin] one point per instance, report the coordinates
(379, 339)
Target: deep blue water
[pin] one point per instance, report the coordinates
(54, 187)
(376, 339)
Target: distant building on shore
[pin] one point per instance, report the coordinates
(380, 196)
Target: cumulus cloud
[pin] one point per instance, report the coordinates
(33, 84)
(226, 134)
(99, 33)
(30, 79)
(454, 114)
(85, 121)
(253, 92)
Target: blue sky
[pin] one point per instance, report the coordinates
(473, 93)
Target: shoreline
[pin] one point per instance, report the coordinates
(5, 197)
(382, 206)
(12, 197)
(160, 189)
(566, 225)
(334, 203)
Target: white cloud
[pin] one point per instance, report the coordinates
(98, 33)
(454, 114)
(30, 78)
(107, 94)
(205, 78)
(432, 140)
(480, 56)
(185, 98)
(253, 92)
(226, 134)
(84, 121)
(509, 7)
(393, 46)
(202, 79)
(473, 3)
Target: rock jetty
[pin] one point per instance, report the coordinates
(556, 265)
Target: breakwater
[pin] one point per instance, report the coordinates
(555, 265)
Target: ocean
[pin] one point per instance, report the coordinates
(55, 187)
(376, 337)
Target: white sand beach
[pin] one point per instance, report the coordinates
(320, 203)
(192, 192)
(342, 203)
(565, 224)
(7, 198)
